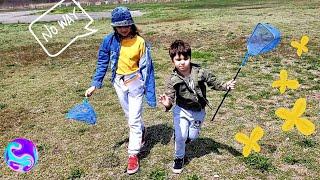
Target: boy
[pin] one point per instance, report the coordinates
(186, 88)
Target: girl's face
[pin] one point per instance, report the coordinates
(124, 31)
(182, 64)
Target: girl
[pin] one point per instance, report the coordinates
(132, 76)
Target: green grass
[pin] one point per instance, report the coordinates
(259, 162)
(174, 5)
(158, 174)
(202, 55)
(2, 106)
(37, 91)
(193, 177)
(291, 159)
(76, 173)
(308, 143)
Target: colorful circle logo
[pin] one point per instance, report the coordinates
(21, 155)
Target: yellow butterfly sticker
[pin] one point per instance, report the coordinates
(284, 83)
(292, 118)
(250, 143)
(301, 46)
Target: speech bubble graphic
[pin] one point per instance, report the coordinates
(48, 33)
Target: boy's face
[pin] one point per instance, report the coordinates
(182, 63)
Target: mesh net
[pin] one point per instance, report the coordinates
(263, 39)
(83, 112)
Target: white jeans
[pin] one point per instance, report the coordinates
(131, 98)
(187, 124)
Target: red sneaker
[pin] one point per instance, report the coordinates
(133, 164)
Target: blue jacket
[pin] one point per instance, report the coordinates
(109, 53)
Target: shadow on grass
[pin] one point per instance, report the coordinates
(160, 133)
(203, 146)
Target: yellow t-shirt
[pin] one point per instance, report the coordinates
(131, 51)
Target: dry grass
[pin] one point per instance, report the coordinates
(37, 91)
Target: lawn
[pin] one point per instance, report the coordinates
(37, 91)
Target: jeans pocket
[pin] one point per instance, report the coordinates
(135, 87)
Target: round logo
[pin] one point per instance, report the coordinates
(21, 155)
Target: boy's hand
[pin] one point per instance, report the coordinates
(165, 100)
(230, 84)
(90, 91)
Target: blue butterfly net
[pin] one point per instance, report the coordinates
(83, 112)
(263, 39)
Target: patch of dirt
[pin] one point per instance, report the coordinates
(316, 96)
(110, 161)
(35, 55)
(25, 55)
(253, 7)
(196, 39)
(10, 119)
(175, 20)
(236, 43)
(300, 171)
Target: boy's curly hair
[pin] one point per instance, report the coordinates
(181, 48)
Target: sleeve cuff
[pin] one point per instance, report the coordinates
(168, 108)
(152, 104)
(225, 87)
(96, 84)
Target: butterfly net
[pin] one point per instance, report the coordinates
(83, 112)
(263, 39)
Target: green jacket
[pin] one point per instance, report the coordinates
(183, 95)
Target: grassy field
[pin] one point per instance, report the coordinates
(36, 91)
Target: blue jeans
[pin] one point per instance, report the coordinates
(131, 97)
(187, 124)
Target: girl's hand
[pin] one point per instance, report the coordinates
(230, 84)
(90, 91)
(165, 100)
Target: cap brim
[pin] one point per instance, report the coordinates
(121, 25)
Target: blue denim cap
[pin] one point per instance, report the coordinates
(121, 16)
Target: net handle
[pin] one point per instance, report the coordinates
(85, 100)
(244, 61)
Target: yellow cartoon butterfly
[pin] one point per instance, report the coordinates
(250, 143)
(301, 46)
(292, 117)
(283, 83)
